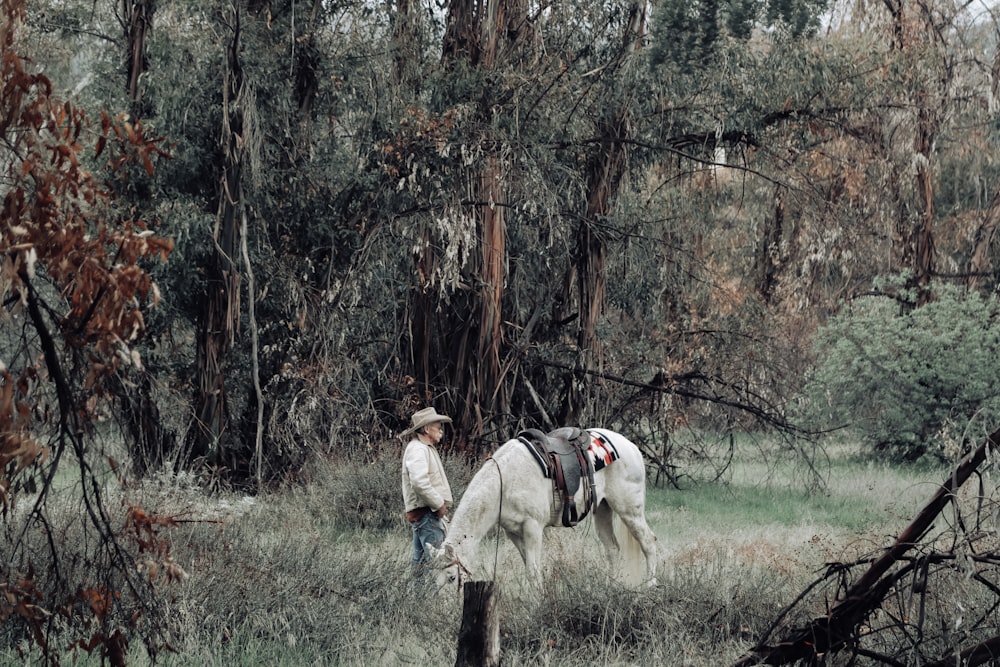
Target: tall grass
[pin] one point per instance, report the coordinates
(319, 574)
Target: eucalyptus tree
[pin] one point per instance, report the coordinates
(97, 54)
(834, 154)
(264, 137)
(938, 83)
(578, 125)
(509, 209)
(137, 20)
(781, 167)
(529, 158)
(299, 197)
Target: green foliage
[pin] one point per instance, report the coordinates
(911, 382)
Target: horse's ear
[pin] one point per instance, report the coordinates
(446, 552)
(437, 553)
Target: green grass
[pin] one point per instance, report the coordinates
(727, 507)
(857, 497)
(767, 517)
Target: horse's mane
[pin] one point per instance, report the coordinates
(479, 509)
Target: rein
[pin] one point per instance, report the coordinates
(496, 551)
(460, 566)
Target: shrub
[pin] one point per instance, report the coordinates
(364, 494)
(911, 383)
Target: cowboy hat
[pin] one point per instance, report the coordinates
(422, 418)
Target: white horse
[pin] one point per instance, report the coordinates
(510, 489)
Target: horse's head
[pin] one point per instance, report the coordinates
(448, 569)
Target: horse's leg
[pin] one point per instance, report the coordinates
(529, 544)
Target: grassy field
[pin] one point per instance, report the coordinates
(318, 575)
(860, 503)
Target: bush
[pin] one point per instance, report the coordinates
(367, 495)
(912, 383)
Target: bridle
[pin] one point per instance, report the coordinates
(460, 566)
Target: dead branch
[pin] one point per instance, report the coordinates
(683, 386)
(840, 626)
(980, 654)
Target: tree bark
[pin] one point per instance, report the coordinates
(493, 244)
(981, 258)
(923, 268)
(915, 236)
(604, 171)
(479, 636)
(407, 47)
(220, 318)
(769, 258)
(138, 19)
(150, 441)
(463, 342)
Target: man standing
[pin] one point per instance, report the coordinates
(426, 492)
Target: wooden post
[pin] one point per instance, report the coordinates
(479, 637)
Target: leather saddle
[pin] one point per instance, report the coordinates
(562, 456)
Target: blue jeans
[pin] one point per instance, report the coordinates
(427, 531)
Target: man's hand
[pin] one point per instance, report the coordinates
(442, 511)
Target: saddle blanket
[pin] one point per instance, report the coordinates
(602, 451)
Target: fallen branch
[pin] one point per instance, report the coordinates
(980, 654)
(840, 626)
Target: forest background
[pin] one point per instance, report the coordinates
(244, 235)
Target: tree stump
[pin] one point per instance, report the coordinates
(479, 637)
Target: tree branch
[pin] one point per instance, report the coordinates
(767, 414)
(835, 630)
(980, 654)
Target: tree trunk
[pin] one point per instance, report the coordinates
(916, 234)
(137, 16)
(604, 171)
(923, 243)
(407, 47)
(150, 442)
(981, 258)
(769, 258)
(479, 636)
(493, 244)
(463, 342)
(421, 315)
(220, 318)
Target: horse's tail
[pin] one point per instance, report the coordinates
(632, 559)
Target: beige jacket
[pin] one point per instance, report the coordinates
(424, 481)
